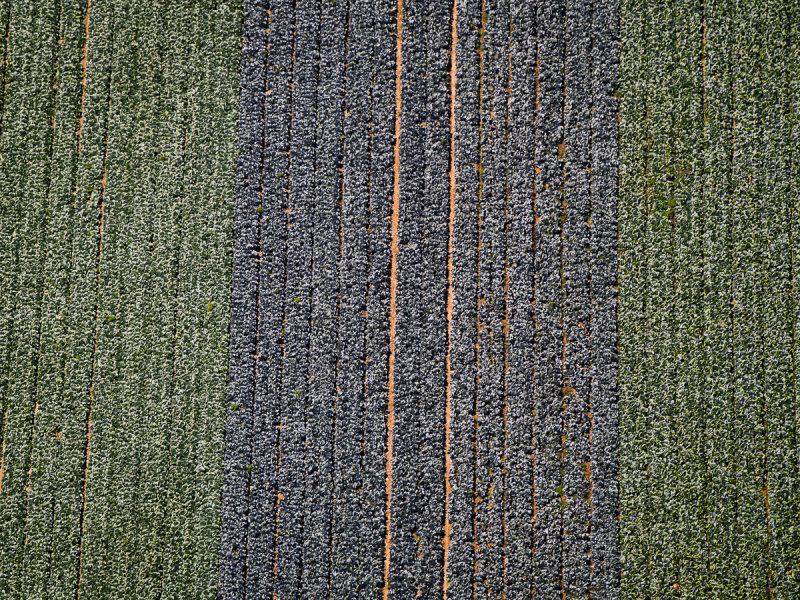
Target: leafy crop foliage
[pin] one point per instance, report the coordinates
(708, 301)
(117, 149)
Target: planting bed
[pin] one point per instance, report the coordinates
(118, 132)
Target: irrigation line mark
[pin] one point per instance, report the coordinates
(451, 217)
(393, 296)
(100, 217)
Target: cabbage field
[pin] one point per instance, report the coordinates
(708, 316)
(118, 125)
(388, 299)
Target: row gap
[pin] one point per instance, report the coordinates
(255, 345)
(175, 310)
(286, 207)
(42, 293)
(98, 263)
(393, 298)
(449, 304)
(478, 225)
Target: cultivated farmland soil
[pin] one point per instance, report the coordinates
(398, 299)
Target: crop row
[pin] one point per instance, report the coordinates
(422, 387)
(708, 307)
(118, 130)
